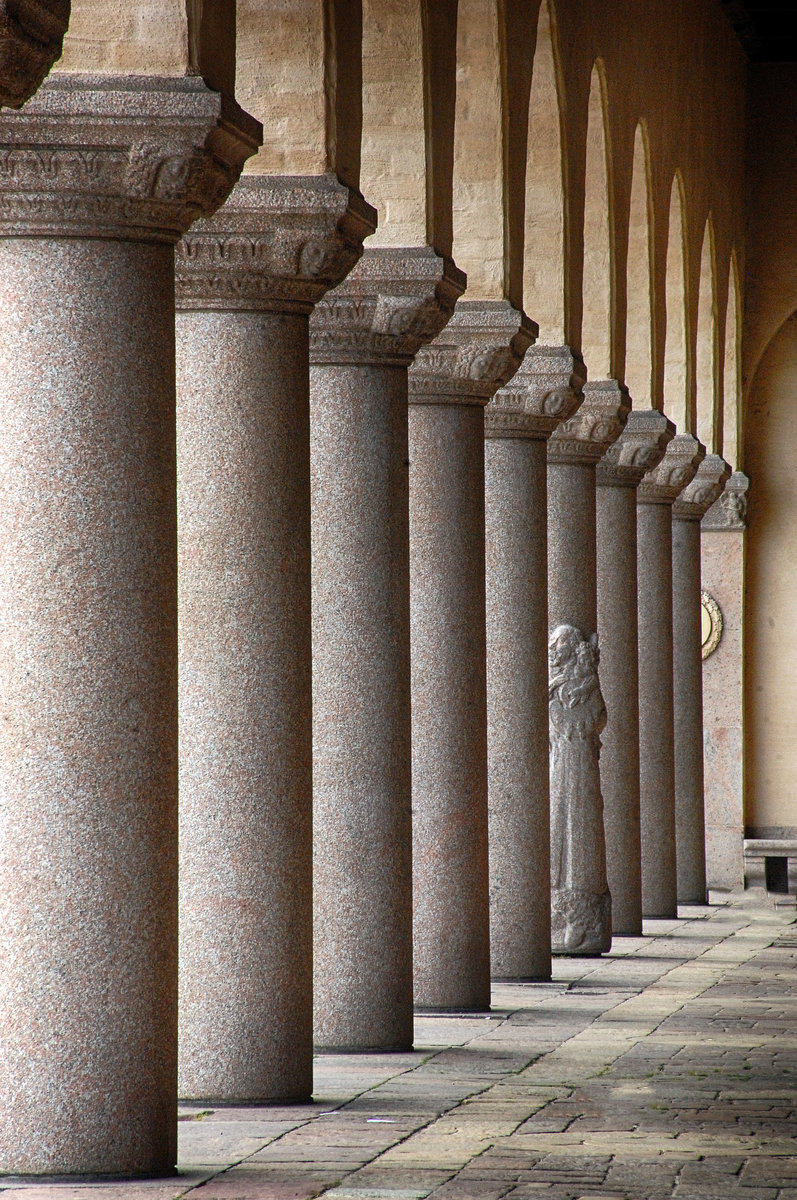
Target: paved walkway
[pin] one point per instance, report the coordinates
(665, 1069)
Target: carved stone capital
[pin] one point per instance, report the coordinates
(31, 39)
(640, 447)
(392, 302)
(545, 390)
(279, 243)
(479, 349)
(586, 436)
(728, 514)
(699, 495)
(133, 157)
(663, 483)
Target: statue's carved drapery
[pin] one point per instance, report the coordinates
(580, 899)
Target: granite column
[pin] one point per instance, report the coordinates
(451, 380)
(640, 446)
(518, 421)
(579, 923)
(723, 531)
(364, 335)
(247, 280)
(690, 830)
(102, 176)
(655, 496)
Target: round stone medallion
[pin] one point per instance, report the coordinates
(710, 624)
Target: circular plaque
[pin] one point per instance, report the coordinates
(710, 624)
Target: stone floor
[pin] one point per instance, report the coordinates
(665, 1069)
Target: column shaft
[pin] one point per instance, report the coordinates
(619, 666)
(245, 706)
(688, 713)
(449, 751)
(572, 563)
(361, 696)
(656, 753)
(517, 707)
(89, 686)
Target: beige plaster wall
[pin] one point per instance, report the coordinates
(771, 594)
(153, 37)
(771, 259)
(681, 71)
(769, 450)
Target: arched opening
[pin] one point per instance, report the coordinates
(732, 379)
(544, 239)
(639, 308)
(596, 321)
(675, 348)
(706, 399)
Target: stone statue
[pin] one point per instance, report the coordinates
(581, 905)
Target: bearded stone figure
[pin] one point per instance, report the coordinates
(581, 906)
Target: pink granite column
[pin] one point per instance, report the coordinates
(573, 451)
(655, 497)
(723, 531)
(363, 337)
(88, 611)
(690, 831)
(640, 447)
(450, 382)
(518, 421)
(246, 282)
(31, 39)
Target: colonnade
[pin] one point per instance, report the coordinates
(384, 490)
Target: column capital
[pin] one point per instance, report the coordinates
(586, 436)
(390, 303)
(479, 349)
(728, 513)
(545, 390)
(663, 483)
(131, 157)
(700, 493)
(640, 447)
(31, 39)
(278, 244)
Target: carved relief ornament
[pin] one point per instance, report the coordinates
(478, 350)
(586, 436)
(545, 390)
(639, 448)
(278, 243)
(31, 39)
(120, 157)
(729, 512)
(390, 304)
(664, 482)
(698, 495)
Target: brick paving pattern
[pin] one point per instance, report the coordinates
(665, 1069)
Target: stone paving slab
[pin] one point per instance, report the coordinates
(666, 1070)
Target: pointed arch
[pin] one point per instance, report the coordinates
(706, 397)
(732, 375)
(544, 231)
(597, 284)
(639, 335)
(676, 358)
